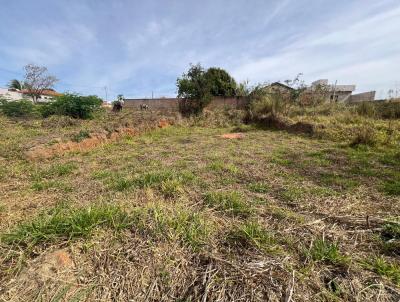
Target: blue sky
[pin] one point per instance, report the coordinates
(136, 47)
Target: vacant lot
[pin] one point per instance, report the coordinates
(182, 214)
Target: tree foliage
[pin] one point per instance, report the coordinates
(194, 89)
(198, 86)
(221, 83)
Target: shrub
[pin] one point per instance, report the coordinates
(72, 105)
(364, 135)
(80, 136)
(22, 108)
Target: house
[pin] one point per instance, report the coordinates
(334, 92)
(342, 93)
(14, 95)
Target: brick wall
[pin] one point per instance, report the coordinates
(173, 103)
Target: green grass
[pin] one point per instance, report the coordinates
(157, 179)
(231, 202)
(192, 228)
(172, 188)
(66, 224)
(392, 187)
(56, 170)
(252, 234)
(338, 181)
(51, 184)
(220, 166)
(259, 187)
(325, 251)
(384, 268)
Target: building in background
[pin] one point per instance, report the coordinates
(342, 93)
(10, 94)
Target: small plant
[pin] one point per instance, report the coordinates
(324, 251)
(171, 188)
(22, 108)
(383, 268)
(252, 234)
(80, 136)
(390, 235)
(231, 202)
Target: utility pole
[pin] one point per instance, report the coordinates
(152, 95)
(105, 90)
(334, 91)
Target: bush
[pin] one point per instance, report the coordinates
(72, 105)
(366, 109)
(22, 108)
(365, 135)
(195, 91)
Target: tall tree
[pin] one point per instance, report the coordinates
(194, 90)
(37, 79)
(222, 84)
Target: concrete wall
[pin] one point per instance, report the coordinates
(362, 97)
(173, 103)
(10, 95)
(163, 103)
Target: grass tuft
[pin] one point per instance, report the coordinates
(231, 202)
(259, 187)
(66, 224)
(324, 251)
(252, 234)
(386, 269)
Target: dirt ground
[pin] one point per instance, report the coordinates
(179, 212)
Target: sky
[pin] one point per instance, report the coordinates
(139, 48)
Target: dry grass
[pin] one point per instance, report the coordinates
(181, 214)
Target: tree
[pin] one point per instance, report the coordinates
(222, 84)
(16, 84)
(194, 89)
(36, 80)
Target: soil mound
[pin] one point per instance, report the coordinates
(233, 135)
(95, 139)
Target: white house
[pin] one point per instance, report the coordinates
(15, 95)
